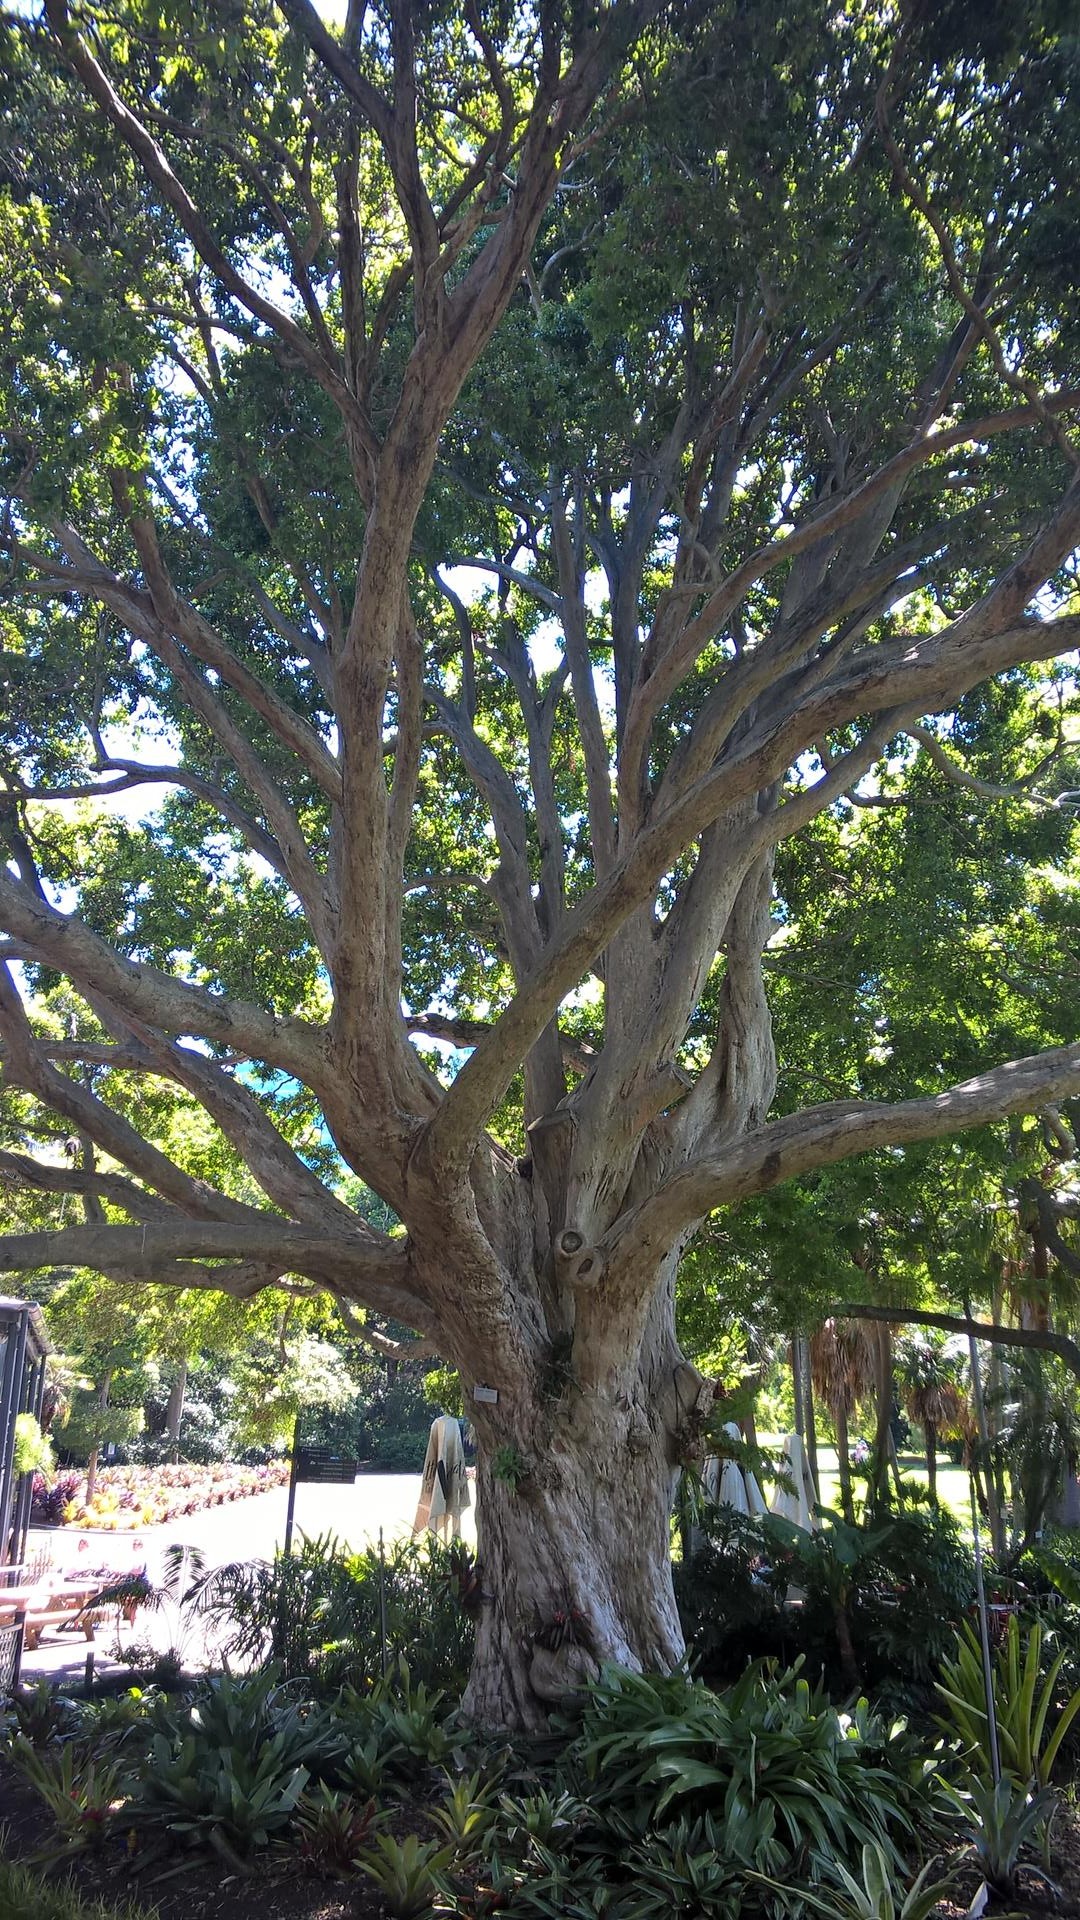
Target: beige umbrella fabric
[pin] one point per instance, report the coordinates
(444, 1488)
(799, 1505)
(731, 1485)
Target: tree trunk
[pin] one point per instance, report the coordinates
(576, 1476)
(884, 1396)
(174, 1412)
(993, 1491)
(797, 1386)
(808, 1413)
(843, 1461)
(849, 1666)
(95, 1451)
(930, 1430)
(894, 1460)
(575, 1569)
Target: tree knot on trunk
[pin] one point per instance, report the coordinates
(559, 1675)
(577, 1264)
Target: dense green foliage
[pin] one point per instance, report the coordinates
(650, 1799)
(654, 1793)
(904, 1586)
(329, 1616)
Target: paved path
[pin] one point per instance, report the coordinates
(248, 1529)
(251, 1529)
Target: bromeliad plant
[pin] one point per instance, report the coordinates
(83, 1794)
(781, 1773)
(229, 1801)
(407, 1722)
(999, 1823)
(226, 1771)
(1031, 1729)
(39, 1715)
(875, 1894)
(466, 1814)
(406, 1872)
(332, 1829)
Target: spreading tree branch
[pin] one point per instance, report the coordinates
(1039, 1338)
(819, 1136)
(173, 1006)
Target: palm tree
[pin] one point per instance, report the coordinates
(842, 1370)
(931, 1385)
(1038, 1438)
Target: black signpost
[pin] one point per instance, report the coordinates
(319, 1464)
(324, 1467)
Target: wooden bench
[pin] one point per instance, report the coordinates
(57, 1616)
(86, 1618)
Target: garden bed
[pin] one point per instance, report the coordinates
(276, 1889)
(126, 1498)
(279, 1888)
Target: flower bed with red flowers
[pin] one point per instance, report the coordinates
(130, 1497)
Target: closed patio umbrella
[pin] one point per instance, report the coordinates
(730, 1484)
(444, 1488)
(797, 1506)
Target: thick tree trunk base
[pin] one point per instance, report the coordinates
(575, 1571)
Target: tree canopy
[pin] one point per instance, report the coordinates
(507, 482)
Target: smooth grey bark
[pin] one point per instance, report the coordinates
(174, 1412)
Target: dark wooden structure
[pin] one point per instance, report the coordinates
(24, 1348)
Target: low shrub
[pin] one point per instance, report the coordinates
(1033, 1712)
(39, 1714)
(332, 1829)
(769, 1760)
(897, 1592)
(670, 1798)
(81, 1790)
(32, 1450)
(50, 1500)
(662, 1795)
(25, 1896)
(729, 1606)
(1000, 1824)
(226, 1771)
(141, 1496)
(318, 1613)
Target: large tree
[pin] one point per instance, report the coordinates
(732, 348)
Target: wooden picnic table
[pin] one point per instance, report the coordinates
(53, 1602)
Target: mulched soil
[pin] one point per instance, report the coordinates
(279, 1888)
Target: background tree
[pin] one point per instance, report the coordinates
(842, 1363)
(933, 1391)
(733, 351)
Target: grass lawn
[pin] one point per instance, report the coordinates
(952, 1482)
